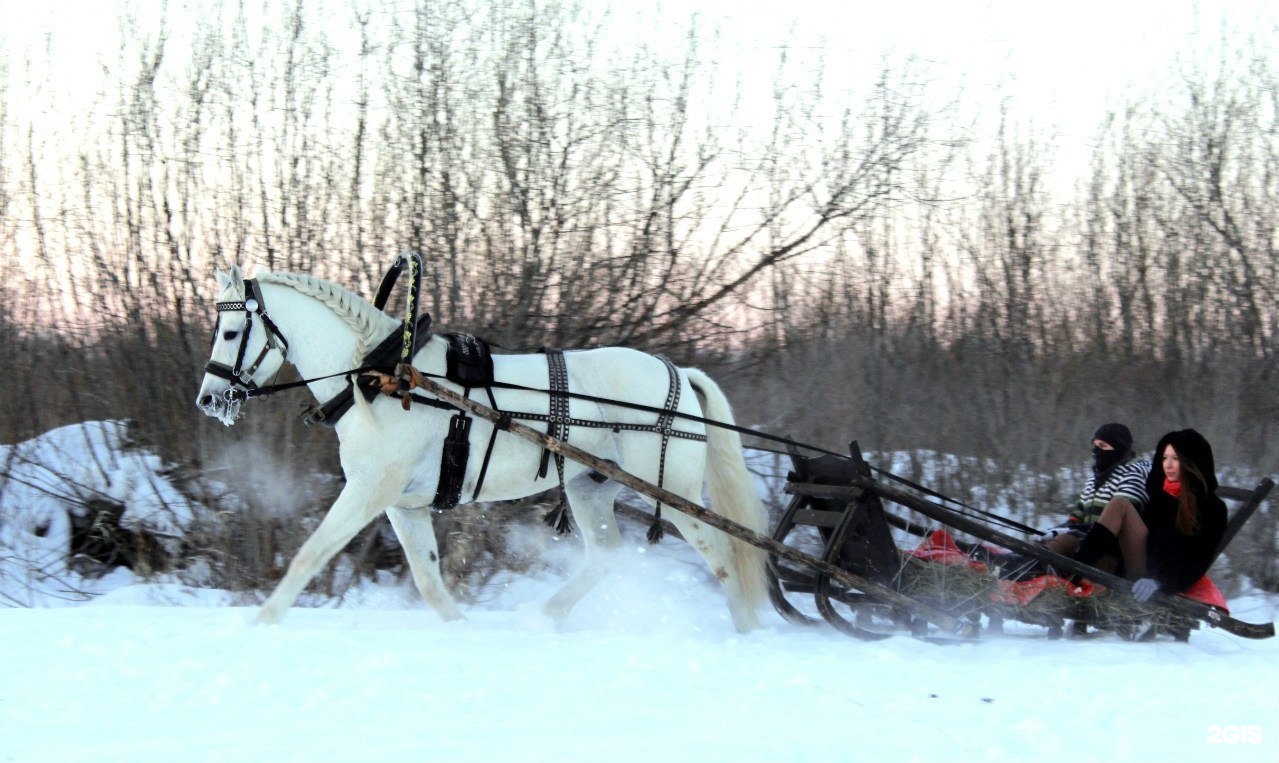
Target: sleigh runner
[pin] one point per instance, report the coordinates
(860, 579)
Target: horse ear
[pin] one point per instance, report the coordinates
(237, 278)
(224, 280)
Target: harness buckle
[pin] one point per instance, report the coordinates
(313, 415)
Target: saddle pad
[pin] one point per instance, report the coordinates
(469, 361)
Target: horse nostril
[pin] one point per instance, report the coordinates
(205, 401)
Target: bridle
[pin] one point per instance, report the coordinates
(243, 387)
(239, 374)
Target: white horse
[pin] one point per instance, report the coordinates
(391, 458)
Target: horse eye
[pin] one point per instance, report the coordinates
(229, 335)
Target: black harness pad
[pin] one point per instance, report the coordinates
(384, 357)
(469, 361)
(387, 353)
(456, 452)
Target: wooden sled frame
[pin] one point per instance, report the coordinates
(841, 499)
(851, 485)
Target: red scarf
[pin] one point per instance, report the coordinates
(1172, 488)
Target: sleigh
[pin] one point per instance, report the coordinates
(841, 507)
(867, 585)
(836, 542)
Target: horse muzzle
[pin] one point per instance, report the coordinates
(224, 407)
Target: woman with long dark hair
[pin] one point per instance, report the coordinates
(1184, 519)
(1169, 545)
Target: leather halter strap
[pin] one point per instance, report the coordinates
(251, 305)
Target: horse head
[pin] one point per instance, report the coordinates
(247, 348)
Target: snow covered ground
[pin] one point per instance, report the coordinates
(647, 668)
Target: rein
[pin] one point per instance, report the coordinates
(406, 380)
(234, 394)
(789, 443)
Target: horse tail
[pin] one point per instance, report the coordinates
(732, 487)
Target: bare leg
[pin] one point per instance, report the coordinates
(1065, 544)
(1122, 519)
(717, 549)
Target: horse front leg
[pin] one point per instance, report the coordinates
(416, 533)
(358, 504)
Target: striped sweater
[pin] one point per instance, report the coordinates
(1127, 480)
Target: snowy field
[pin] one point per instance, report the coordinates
(647, 668)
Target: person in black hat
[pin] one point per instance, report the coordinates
(1171, 543)
(1118, 477)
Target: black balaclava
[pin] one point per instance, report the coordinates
(1119, 438)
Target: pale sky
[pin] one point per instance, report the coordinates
(1063, 65)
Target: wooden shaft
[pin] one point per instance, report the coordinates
(667, 498)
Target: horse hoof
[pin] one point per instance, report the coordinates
(451, 616)
(265, 617)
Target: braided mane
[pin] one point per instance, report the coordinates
(358, 313)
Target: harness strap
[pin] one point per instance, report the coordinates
(488, 452)
(388, 282)
(613, 425)
(664, 421)
(272, 329)
(250, 306)
(650, 409)
(408, 340)
(557, 406)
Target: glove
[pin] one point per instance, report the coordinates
(1143, 589)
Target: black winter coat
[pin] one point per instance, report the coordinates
(1174, 559)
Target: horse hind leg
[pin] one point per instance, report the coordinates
(416, 533)
(592, 507)
(718, 551)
